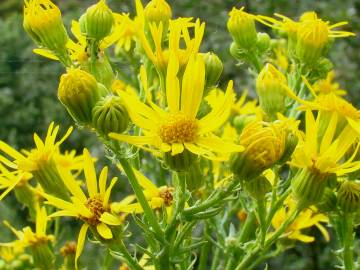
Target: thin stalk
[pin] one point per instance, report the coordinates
(130, 261)
(149, 214)
(204, 253)
(261, 211)
(247, 228)
(254, 253)
(215, 262)
(348, 255)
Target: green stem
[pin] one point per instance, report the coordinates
(215, 262)
(254, 253)
(261, 211)
(219, 196)
(149, 214)
(204, 253)
(348, 256)
(247, 228)
(130, 261)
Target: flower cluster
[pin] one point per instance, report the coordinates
(193, 153)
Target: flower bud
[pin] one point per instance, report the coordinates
(328, 201)
(348, 196)
(213, 70)
(194, 179)
(157, 11)
(101, 69)
(270, 89)
(291, 141)
(264, 145)
(312, 37)
(180, 162)
(258, 187)
(79, 92)
(241, 26)
(308, 186)
(68, 252)
(263, 42)
(241, 121)
(43, 22)
(110, 115)
(98, 21)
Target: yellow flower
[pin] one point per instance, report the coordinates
(157, 197)
(8, 254)
(307, 20)
(264, 146)
(306, 219)
(126, 30)
(43, 22)
(28, 238)
(41, 162)
(327, 85)
(325, 155)
(179, 34)
(94, 210)
(177, 128)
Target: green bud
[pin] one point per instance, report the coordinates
(241, 26)
(258, 187)
(237, 52)
(101, 69)
(194, 179)
(157, 11)
(110, 115)
(213, 69)
(181, 162)
(308, 186)
(79, 92)
(263, 42)
(348, 196)
(98, 22)
(291, 141)
(26, 196)
(240, 121)
(328, 201)
(270, 85)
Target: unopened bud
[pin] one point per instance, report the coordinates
(98, 21)
(258, 187)
(79, 92)
(157, 11)
(213, 69)
(241, 26)
(348, 196)
(270, 85)
(110, 115)
(263, 42)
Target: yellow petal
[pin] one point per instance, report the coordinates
(80, 243)
(177, 148)
(110, 219)
(90, 174)
(102, 181)
(46, 53)
(104, 231)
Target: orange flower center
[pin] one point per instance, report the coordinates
(179, 128)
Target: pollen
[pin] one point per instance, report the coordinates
(166, 193)
(95, 205)
(179, 128)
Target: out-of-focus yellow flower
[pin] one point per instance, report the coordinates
(118, 86)
(9, 253)
(28, 238)
(327, 85)
(126, 31)
(306, 219)
(94, 210)
(157, 197)
(176, 129)
(42, 162)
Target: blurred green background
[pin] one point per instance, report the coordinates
(28, 83)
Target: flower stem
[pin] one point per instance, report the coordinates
(127, 256)
(149, 214)
(348, 256)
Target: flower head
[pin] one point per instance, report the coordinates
(306, 219)
(177, 129)
(93, 209)
(42, 21)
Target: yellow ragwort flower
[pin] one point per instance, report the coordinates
(94, 210)
(327, 85)
(306, 219)
(177, 128)
(157, 197)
